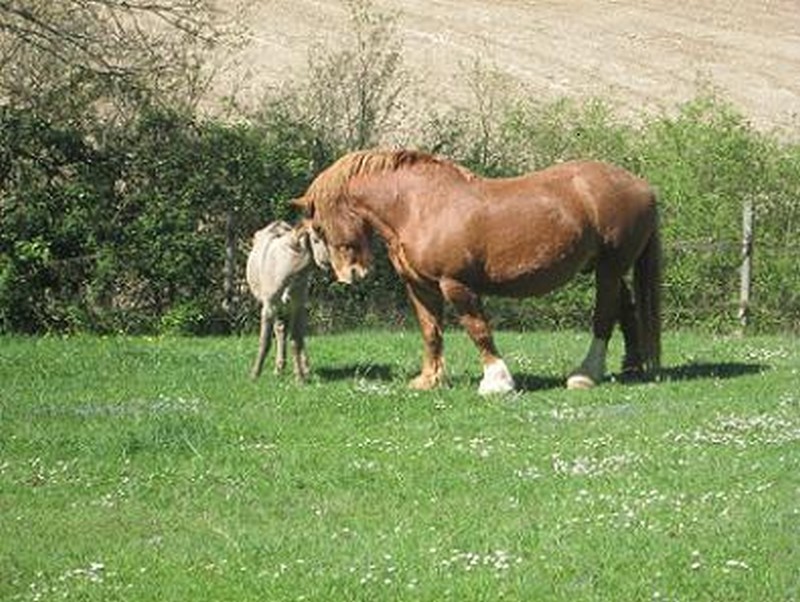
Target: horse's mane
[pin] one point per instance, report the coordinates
(327, 190)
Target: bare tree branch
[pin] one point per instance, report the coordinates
(136, 48)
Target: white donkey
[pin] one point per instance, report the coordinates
(278, 270)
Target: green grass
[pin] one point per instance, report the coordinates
(154, 469)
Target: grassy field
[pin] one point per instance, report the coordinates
(154, 469)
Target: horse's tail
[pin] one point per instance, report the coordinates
(647, 293)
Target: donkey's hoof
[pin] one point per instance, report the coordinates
(580, 381)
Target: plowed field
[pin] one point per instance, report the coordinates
(643, 55)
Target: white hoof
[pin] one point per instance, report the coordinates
(496, 379)
(580, 381)
(592, 369)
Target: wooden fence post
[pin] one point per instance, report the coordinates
(229, 266)
(747, 263)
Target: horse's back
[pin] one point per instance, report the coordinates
(619, 205)
(622, 204)
(614, 202)
(592, 181)
(530, 234)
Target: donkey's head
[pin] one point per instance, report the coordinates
(309, 238)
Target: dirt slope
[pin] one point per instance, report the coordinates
(645, 55)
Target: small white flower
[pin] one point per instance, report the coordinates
(737, 564)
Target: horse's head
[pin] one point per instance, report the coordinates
(348, 242)
(346, 237)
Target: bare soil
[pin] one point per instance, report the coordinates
(644, 56)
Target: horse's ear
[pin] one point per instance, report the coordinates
(303, 204)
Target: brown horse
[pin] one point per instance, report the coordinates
(453, 236)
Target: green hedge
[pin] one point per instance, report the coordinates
(129, 234)
(126, 231)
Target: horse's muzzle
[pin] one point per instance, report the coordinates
(351, 273)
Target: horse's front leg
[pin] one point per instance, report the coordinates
(428, 306)
(496, 376)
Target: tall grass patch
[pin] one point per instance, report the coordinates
(140, 469)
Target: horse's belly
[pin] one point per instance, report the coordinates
(538, 267)
(535, 282)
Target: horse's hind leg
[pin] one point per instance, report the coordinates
(496, 376)
(632, 361)
(606, 311)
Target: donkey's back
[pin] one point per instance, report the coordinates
(265, 273)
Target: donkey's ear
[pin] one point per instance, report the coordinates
(299, 237)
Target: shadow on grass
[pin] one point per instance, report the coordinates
(379, 372)
(527, 382)
(695, 371)
(686, 372)
(535, 382)
(700, 370)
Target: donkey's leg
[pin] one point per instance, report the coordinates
(299, 320)
(496, 376)
(264, 339)
(632, 361)
(606, 312)
(280, 343)
(429, 307)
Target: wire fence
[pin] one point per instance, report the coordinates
(750, 282)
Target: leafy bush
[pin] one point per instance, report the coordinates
(148, 229)
(115, 236)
